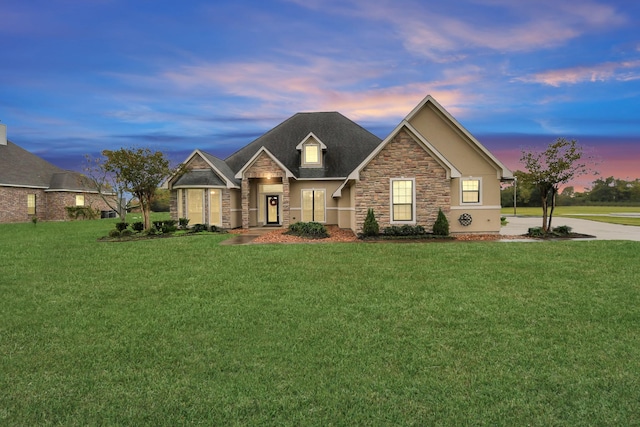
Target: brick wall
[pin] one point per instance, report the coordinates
(50, 206)
(402, 157)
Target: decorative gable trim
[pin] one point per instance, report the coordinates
(249, 163)
(229, 183)
(451, 170)
(503, 171)
(306, 138)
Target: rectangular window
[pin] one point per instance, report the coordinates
(313, 205)
(195, 206)
(79, 199)
(470, 191)
(31, 204)
(215, 208)
(402, 200)
(311, 153)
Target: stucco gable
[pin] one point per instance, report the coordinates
(430, 103)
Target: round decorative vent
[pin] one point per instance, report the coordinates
(465, 219)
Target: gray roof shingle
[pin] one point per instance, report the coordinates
(348, 144)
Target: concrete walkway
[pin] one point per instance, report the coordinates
(601, 230)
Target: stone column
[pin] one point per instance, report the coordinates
(245, 203)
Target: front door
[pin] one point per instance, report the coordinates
(273, 210)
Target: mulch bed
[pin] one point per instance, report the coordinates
(338, 235)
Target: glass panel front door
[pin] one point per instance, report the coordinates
(273, 209)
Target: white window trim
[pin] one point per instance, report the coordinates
(413, 201)
(203, 213)
(219, 222)
(471, 178)
(324, 207)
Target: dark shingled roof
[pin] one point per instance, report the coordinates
(20, 168)
(222, 167)
(198, 177)
(348, 144)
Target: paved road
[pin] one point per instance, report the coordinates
(602, 230)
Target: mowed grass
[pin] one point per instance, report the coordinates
(592, 213)
(184, 331)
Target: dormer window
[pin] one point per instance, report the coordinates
(311, 154)
(311, 149)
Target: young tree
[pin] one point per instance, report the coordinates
(561, 162)
(139, 172)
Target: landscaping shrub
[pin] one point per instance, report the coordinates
(114, 233)
(405, 230)
(370, 226)
(197, 228)
(312, 230)
(126, 232)
(183, 222)
(441, 226)
(535, 232)
(121, 225)
(137, 226)
(563, 230)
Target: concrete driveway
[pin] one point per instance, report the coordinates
(603, 231)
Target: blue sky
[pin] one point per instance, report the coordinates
(80, 76)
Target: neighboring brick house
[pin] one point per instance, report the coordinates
(32, 187)
(323, 167)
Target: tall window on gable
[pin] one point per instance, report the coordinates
(470, 191)
(31, 204)
(195, 205)
(311, 153)
(402, 200)
(313, 205)
(79, 199)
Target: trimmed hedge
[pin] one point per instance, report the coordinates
(311, 230)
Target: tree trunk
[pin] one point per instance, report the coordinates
(554, 191)
(544, 196)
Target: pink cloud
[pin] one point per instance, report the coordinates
(623, 71)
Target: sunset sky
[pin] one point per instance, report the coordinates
(80, 76)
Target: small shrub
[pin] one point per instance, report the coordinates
(34, 220)
(198, 228)
(137, 226)
(126, 232)
(183, 222)
(563, 230)
(120, 226)
(535, 232)
(114, 233)
(312, 230)
(405, 230)
(441, 226)
(158, 225)
(370, 226)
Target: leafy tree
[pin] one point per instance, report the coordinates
(140, 172)
(558, 164)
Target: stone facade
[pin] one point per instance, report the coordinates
(402, 157)
(50, 206)
(264, 167)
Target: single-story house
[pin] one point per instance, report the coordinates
(31, 187)
(323, 167)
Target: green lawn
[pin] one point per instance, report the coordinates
(184, 331)
(593, 213)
